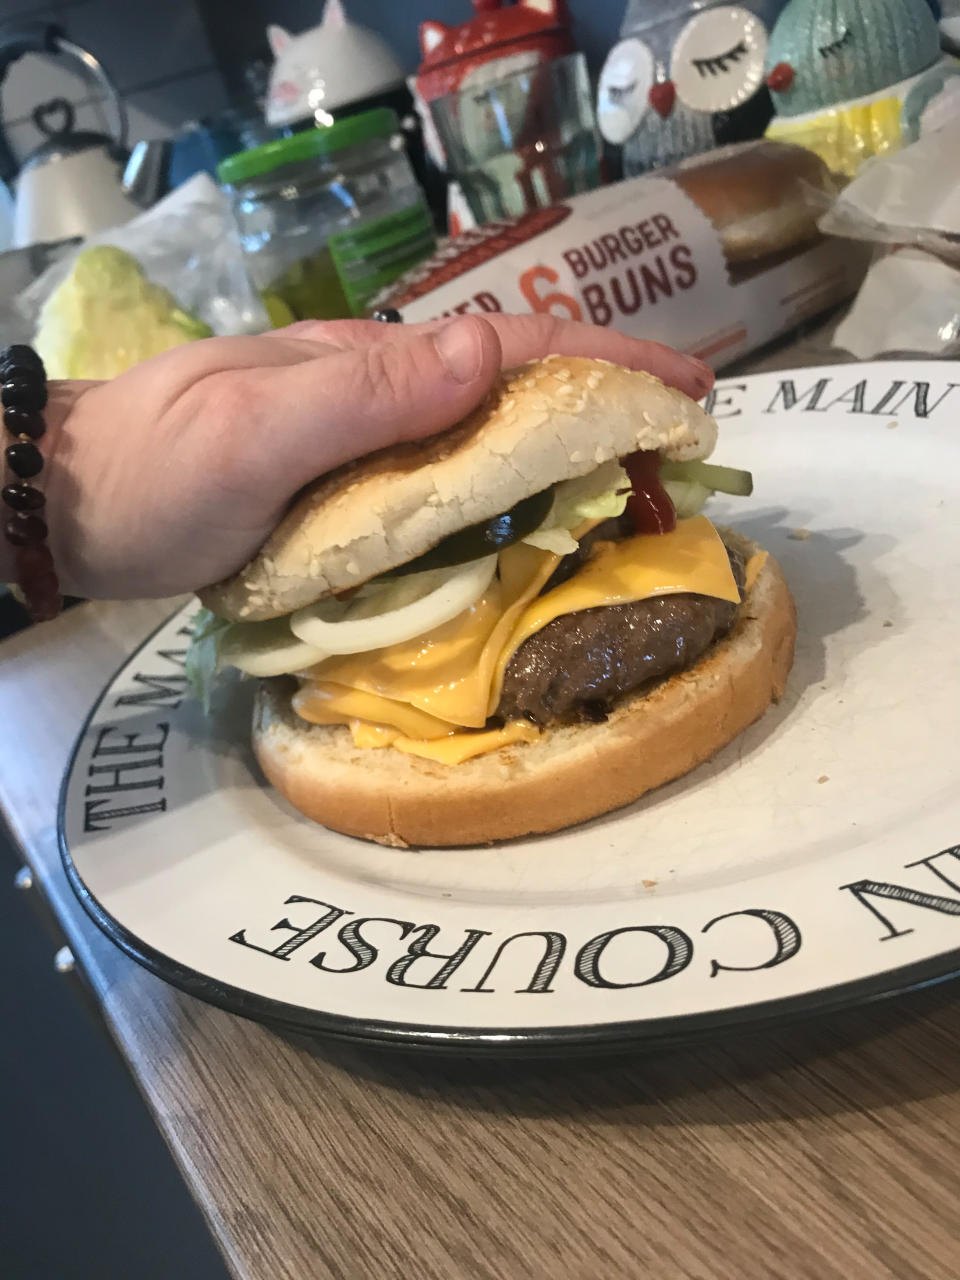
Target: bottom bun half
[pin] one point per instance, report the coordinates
(570, 774)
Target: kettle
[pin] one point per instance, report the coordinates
(71, 185)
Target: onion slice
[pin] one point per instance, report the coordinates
(266, 649)
(389, 612)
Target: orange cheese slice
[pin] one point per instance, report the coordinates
(454, 748)
(416, 695)
(322, 702)
(449, 671)
(457, 747)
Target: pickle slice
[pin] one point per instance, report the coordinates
(720, 479)
(483, 539)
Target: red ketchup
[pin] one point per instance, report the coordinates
(649, 506)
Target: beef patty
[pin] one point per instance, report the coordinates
(579, 664)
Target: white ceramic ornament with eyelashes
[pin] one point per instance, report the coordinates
(717, 61)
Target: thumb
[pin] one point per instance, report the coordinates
(355, 402)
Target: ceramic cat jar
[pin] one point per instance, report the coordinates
(851, 79)
(685, 77)
(327, 67)
(496, 42)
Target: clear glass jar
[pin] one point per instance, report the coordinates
(329, 216)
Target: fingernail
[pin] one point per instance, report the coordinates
(460, 348)
(700, 371)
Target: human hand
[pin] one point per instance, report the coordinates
(172, 475)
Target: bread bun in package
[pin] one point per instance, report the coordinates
(715, 257)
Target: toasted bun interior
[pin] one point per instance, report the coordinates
(568, 775)
(551, 420)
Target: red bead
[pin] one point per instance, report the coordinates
(45, 610)
(23, 422)
(43, 599)
(45, 586)
(32, 562)
(24, 529)
(38, 581)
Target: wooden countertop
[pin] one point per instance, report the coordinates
(830, 1149)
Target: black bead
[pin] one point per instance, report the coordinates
(20, 356)
(25, 391)
(26, 372)
(22, 497)
(30, 371)
(25, 530)
(24, 459)
(388, 315)
(23, 422)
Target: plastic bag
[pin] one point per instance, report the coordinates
(188, 243)
(908, 203)
(911, 197)
(908, 304)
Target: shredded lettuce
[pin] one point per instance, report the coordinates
(599, 495)
(203, 654)
(558, 540)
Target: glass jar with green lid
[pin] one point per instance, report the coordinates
(329, 216)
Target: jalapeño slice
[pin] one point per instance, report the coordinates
(482, 539)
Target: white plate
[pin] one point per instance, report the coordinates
(811, 863)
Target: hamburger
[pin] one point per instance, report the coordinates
(508, 628)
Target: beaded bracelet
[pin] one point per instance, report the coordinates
(24, 397)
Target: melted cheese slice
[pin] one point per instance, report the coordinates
(449, 671)
(454, 748)
(457, 747)
(415, 696)
(322, 702)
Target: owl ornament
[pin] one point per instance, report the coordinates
(686, 76)
(851, 79)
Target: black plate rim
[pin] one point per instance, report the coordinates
(588, 1038)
